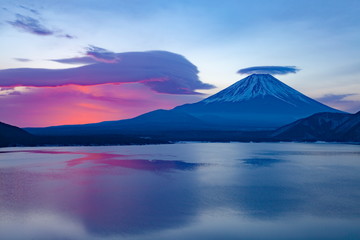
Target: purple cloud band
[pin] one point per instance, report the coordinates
(275, 70)
(162, 71)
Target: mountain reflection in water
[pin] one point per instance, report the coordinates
(219, 191)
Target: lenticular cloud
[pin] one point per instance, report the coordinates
(162, 71)
(274, 70)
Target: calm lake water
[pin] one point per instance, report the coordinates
(181, 191)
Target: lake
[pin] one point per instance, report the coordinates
(181, 191)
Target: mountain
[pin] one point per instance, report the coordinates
(11, 135)
(257, 102)
(14, 136)
(322, 127)
(150, 122)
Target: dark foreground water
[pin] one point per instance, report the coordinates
(181, 191)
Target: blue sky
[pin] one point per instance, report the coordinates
(219, 37)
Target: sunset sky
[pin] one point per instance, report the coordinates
(83, 61)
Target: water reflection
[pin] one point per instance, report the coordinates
(118, 160)
(261, 162)
(104, 196)
(85, 193)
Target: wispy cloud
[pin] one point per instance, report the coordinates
(101, 54)
(76, 60)
(29, 9)
(31, 25)
(335, 97)
(23, 59)
(162, 71)
(275, 70)
(10, 91)
(346, 102)
(34, 26)
(92, 54)
(68, 36)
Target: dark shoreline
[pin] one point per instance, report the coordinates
(167, 142)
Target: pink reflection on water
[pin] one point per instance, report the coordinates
(92, 189)
(116, 160)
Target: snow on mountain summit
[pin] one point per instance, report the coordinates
(257, 85)
(258, 101)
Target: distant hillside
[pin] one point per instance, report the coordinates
(14, 136)
(11, 135)
(340, 127)
(148, 124)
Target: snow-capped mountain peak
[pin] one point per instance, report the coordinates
(257, 85)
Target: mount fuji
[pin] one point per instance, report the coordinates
(257, 102)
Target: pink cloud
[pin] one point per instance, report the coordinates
(49, 106)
